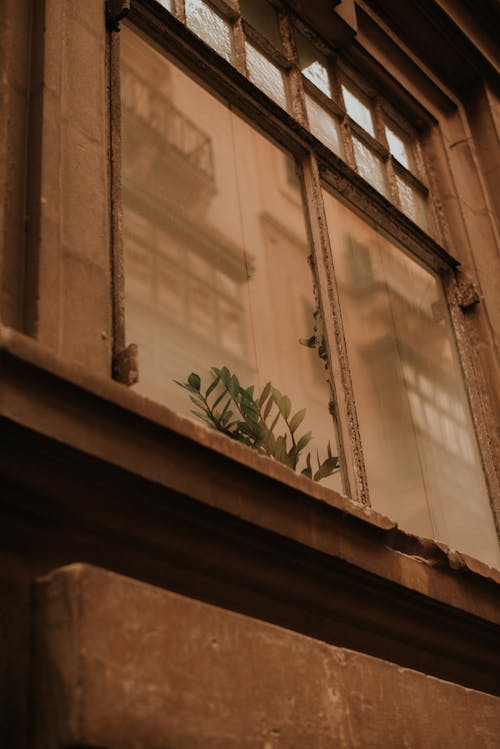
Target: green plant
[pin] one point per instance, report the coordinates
(234, 410)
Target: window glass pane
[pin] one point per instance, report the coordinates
(212, 28)
(313, 64)
(398, 147)
(358, 109)
(370, 165)
(216, 247)
(412, 202)
(263, 18)
(422, 459)
(324, 126)
(266, 75)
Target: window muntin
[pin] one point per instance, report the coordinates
(215, 248)
(420, 449)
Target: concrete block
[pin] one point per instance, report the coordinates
(85, 338)
(84, 84)
(121, 663)
(84, 197)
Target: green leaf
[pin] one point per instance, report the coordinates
(271, 428)
(307, 471)
(197, 401)
(218, 399)
(265, 393)
(327, 468)
(280, 449)
(303, 441)
(212, 386)
(194, 380)
(286, 406)
(268, 407)
(228, 403)
(297, 420)
(234, 386)
(277, 397)
(293, 457)
(225, 376)
(249, 392)
(204, 418)
(225, 417)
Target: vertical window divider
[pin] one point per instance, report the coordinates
(180, 10)
(378, 120)
(239, 46)
(295, 85)
(343, 407)
(345, 129)
(124, 358)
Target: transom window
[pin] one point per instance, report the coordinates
(225, 215)
(336, 109)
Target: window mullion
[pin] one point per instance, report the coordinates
(124, 358)
(295, 84)
(345, 128)
(342, 407)
(239, 46)
(378, 118)
(180, 10)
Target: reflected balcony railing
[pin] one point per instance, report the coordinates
(164, 120)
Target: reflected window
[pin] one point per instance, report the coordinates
(211, 27)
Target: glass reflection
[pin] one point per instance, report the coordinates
(266, 75)
(313, 64)
(324, 126)
(215, 245)
(412, 202)
(369, 165)
(422, 459)
(211, 27)
(357, 109)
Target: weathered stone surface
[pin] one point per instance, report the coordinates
(123, 664)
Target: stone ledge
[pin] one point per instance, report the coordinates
(119, 663)
(20, 349)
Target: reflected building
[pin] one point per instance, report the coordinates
(215, 246)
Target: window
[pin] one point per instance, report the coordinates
(216, 247)
(218, 229)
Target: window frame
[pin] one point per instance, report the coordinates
(319, 167)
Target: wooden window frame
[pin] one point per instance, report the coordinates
(319, 167)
